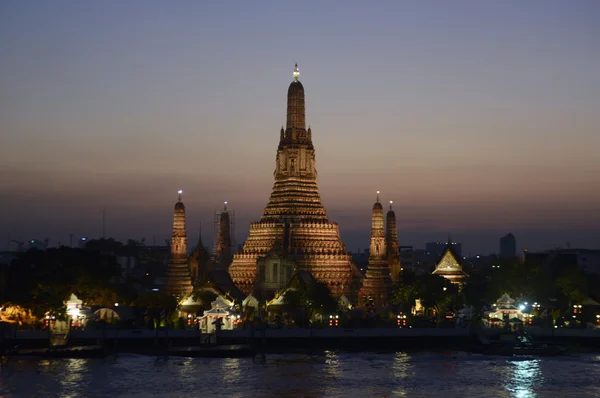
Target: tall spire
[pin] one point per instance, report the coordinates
(224, 249)
(377, 231)
(296, 119)
(377, 282)
(392, 246)
(296, 73)
(294, 225)
(179, 281)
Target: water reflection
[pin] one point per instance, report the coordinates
(401, 365)
(332, 364)
(73, 382)
(332, 374)
(231, 368)
(525, 374)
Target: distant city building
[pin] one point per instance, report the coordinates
(438, 248)
(586, 259)
(424, 261)
(508, 246)
(361, 259)
(38, 244)
(407, 258)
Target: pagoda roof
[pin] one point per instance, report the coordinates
(300, 279)
(449, 264)
(221, 281)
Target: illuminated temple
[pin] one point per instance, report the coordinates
(294, 233)
(377, 283)
(178, 280)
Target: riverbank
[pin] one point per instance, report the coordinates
(286, 340)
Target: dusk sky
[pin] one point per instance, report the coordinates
(477, 118)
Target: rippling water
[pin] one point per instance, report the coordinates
(329, 375)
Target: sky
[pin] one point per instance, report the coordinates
(476, 118)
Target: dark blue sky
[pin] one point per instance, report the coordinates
(477, 118)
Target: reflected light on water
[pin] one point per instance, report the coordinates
(525, 374)
(332, 364)
(231, 368)
(73, 380)
(401, 369)
(401, 364)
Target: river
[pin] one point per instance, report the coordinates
(329, 375)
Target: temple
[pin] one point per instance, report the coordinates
(294, 233)
(377, 282)
(178, 280)
(199, 261)
(450, 266)
(224, 250)
(392, 246)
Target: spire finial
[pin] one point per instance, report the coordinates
(391, 202)
(225, 207)
(180, 192)
(377, 196)
(296, 73)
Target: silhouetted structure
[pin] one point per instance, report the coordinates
(508, 246)
(438, 248)
(224, 249)
(199, 261)
(392, 246)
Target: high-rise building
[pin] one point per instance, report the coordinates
(508, 246)
(294, 232)
(178, 280)
(438, 248)
(377, 282)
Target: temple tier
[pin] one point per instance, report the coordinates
(294, 234)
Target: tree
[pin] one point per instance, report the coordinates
(404, 295)
(313, 298)
(573, 285)
(43, 280)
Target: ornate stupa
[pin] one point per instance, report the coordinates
(391, 244)
(377, 282)
(178, 281)
(224, 252)
(294, 233)
(199, 260)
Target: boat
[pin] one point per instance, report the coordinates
(519, 344)
(70, 352)
(502, 349)
(219, 351)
